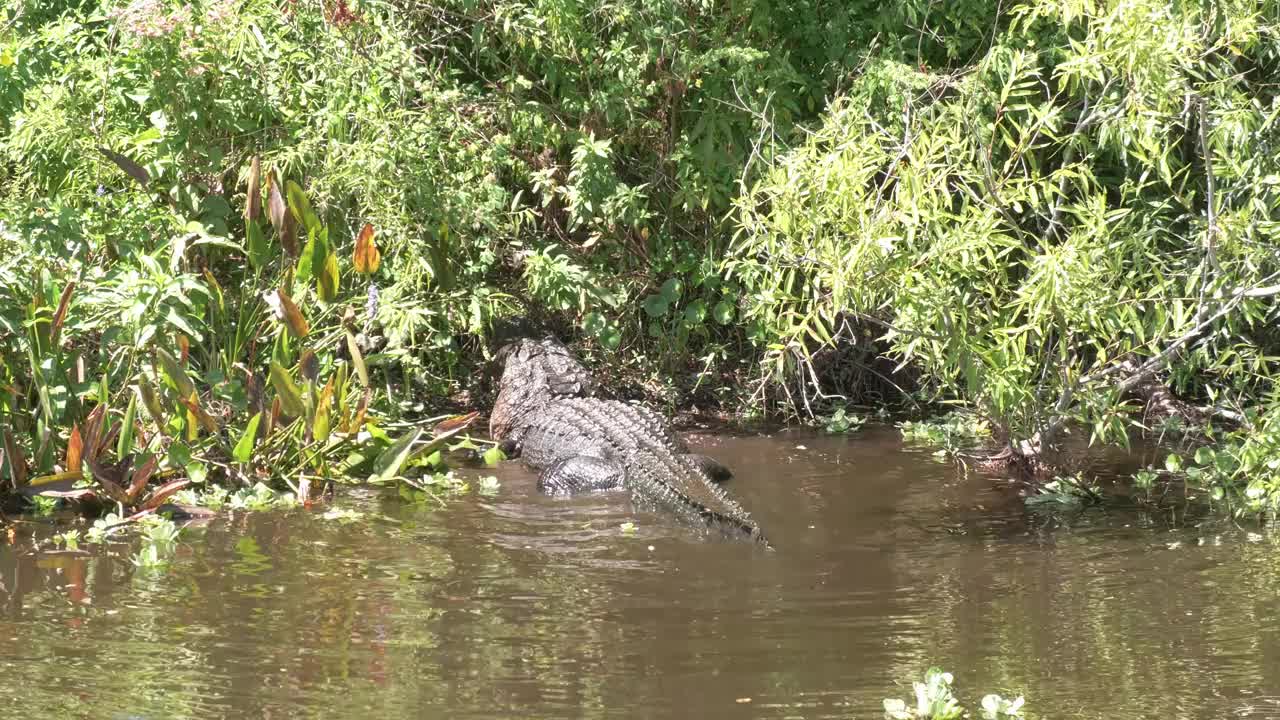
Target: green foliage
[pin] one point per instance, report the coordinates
(1025, 201)
(1241, 470)
(841, 421)
(934, 700)
(950, 433)
(1021, 231)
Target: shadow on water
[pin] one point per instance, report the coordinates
(517, 605)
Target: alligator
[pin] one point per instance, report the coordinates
(546, 413)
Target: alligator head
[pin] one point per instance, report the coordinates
(534, 373)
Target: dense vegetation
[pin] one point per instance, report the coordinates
(241, 238)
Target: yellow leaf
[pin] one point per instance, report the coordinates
(287, 392)
(291, 315)
(75, 449)
(327, 279)
(367, 259)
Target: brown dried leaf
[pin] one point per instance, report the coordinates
(111, 478)
(93, 432)
(75, 450)
(358, 420)
(281, 218)
(309, 366)
(454, 424)
(162, 493)
(131, 168)
(60, 315)
(141, 476)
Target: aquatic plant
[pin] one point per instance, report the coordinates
(934, 700)
(950, 433)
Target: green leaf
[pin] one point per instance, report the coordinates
(357, 359)
(723, 312)
(327, 280)
(671, 290)
(696, 312)
(290, 397)
(320, 424)
(256, 240)
(391, 460)
(175, 373)
(1173, 462)
(124, 443)
(1204, 456)
(656, 306)
(300, 206)
(494, 455)
(244, 446)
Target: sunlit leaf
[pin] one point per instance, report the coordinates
(300, 206)
(75, 450)
(287, 392)
(192, 403)
(327, 279)
(391, 460)
(124, 444)
(357, 358)
(320, 425)
(176, 374)
(287, 311)
(151, 403)
(366, 258)
(244, 446)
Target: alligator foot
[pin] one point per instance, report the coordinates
(711, 467)
(581, 473)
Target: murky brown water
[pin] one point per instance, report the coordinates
(519, 606)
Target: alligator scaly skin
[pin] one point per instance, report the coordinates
(579, 442)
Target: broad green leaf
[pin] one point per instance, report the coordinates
(244, 446)
(723, 313)
(176, 374)
(256, 242)
(391, 460)
(357, 359)
(320, 424)
(124, 443)
(300, 206)
(655, 306)
(287, 391)
(327, 279)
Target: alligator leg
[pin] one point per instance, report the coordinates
(580, 473)
(710, 467)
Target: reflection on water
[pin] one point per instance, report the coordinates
(523, 606)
